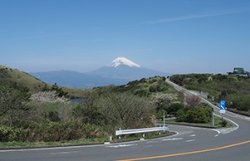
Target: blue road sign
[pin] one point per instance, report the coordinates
(222, 106)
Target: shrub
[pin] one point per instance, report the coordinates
(223, 123)
(181, 115)
(53, 116)
(154, 88)
(199, 114)
(8, 133)
(88, 115)
(178, 79)
(60, 131)
(240, 102)
(142, 92)
(173, 108)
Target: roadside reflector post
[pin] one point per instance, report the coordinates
(110, 138)
(213, 119)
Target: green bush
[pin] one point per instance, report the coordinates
(223, 123)
(53, 116)
(154, 88)
(8, 133)
(239, 102)
(88, 115)
(58, 131)
(197, 114)
(142, 92)
(173, 108)
(181, 115)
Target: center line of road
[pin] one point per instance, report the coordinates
(188, 153)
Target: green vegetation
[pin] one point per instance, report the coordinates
(19, 78)
(147, 87)
(23, 79)
(235, 90)
(47, 116)
(31, 114)
(24, 120)
(197, 114)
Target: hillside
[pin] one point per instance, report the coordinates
(236, 90)
(149, 87)
(15, 77)
(19, 78)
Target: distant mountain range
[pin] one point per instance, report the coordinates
(121, 71)
(76, 79)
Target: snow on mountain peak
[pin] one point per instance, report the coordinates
(124, 61)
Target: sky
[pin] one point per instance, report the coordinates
(173, 36)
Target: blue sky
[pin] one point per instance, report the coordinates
(175, 36)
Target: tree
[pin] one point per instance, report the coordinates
(173, 108)
(59, 91)
(192, 100)
(88, 115)
(125, 110)
(13, 109)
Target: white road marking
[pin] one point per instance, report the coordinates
(172, 139)
(151, 142)
(218, 132)
(192, 135)
(59, 153)
(191, 140)
(51, 148)
(121, 145)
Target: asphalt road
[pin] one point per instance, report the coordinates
(189, 144)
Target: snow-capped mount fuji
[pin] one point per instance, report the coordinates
(123, 68)
(124, 61)
(120, 71)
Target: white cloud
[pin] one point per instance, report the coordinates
(193, 16)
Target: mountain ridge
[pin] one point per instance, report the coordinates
(121, 71)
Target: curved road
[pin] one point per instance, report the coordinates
(189, 144)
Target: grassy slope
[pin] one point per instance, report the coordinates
(21, 78)
(24, 79)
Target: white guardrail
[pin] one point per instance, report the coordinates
(137, 131)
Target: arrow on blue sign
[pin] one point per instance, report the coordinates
(222, 104)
